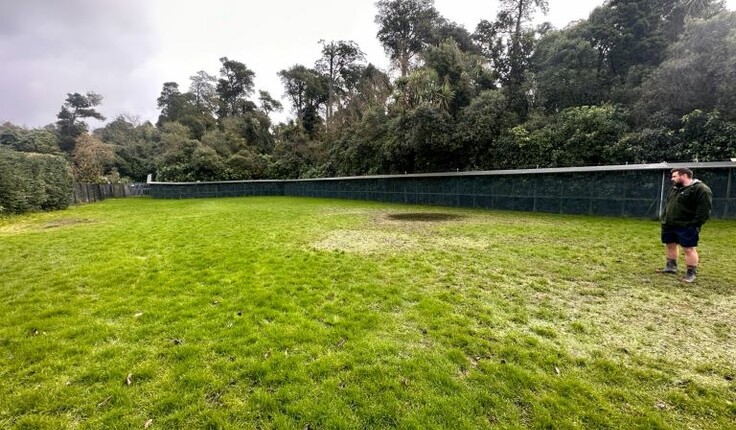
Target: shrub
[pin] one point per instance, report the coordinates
(33, 182)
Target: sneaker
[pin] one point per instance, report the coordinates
(668, 268)
(689, 278)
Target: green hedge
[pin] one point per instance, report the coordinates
(33, 182)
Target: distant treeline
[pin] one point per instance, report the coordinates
(638, 81)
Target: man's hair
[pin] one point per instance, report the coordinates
(683, 171)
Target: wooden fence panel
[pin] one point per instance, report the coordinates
(89, 193)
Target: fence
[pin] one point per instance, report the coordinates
(87, 193)
(629, 191)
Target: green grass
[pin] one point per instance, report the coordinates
(315, 314)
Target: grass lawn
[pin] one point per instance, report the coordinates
(315, 314)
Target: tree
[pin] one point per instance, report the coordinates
(306, 89)
(204, 92)
(135, 144)
(234, 87)
(172, 102)
(461, 71)
(422, 87)
(33, 182)
(36, 140)
(184, 108)
(629, 33)
(566, 74)
(577, 136)
(370, 91)
(337, 61)
(707, 137)
(174, 162)
(75, 108)
(479, 127)
(701, 136)
(268, 103)
(446, 30)
(509, 43)
(405, 28)
(296, 154)
(676, 12)
(699, 72)
(90, 159)
(360, 150)
(420, 140)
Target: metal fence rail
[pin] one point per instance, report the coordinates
(628, 191)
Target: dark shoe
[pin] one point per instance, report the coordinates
(689, 278)
(668, 269)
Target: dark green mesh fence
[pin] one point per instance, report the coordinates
(186, 190)
(632, 191)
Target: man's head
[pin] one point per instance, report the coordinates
(681, 177)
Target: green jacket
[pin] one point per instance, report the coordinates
(686, 206)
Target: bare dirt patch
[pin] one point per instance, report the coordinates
(36, 226)
(424, 217)
(64, 222)
(392, 232)
(366, 242)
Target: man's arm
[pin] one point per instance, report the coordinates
(704, 205)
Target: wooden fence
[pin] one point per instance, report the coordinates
(88, 193)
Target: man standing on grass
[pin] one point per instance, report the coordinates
(686, 210)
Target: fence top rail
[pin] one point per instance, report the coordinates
(585, 169)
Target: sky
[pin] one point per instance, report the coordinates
(126, 50)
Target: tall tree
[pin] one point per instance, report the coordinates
(171, 102)
(234, 87)
(446, 30)
(369, 91)
(566, 71)
(627, 33)
(338, 58)
(405, 28)
(674, 13)
(268, 103)
(70, 124)
(509, 44)
(306, 89)
(203, 91)
(698, 73)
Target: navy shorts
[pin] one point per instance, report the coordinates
(686, 237)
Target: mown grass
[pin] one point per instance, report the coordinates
(311, 314)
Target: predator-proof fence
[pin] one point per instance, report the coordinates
(628, 191)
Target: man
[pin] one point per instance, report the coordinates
(687, 208)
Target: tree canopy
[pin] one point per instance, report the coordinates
(634, 82)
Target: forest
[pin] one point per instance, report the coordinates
(635, 82)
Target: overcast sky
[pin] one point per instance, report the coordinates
(126, 50)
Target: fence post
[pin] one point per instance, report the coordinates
(661, 195)
(457, 191)
(728, 194)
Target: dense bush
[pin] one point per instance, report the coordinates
(33, 182)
